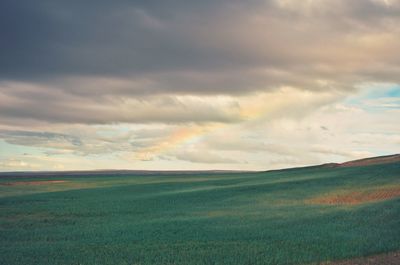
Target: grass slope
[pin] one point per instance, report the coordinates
(216, 218)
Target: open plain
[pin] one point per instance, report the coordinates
(313, 215)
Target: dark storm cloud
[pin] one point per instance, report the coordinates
(55, 38)
(50, 38)
(103, 61)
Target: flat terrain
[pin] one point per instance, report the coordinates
(315, 215)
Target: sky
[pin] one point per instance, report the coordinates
(196, 85)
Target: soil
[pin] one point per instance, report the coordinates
(382, 259)
(30, 183)
(372, 161)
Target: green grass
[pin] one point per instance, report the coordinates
(236, 218)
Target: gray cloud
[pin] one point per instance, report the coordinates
(36, 103)
(128, 61)
(76, 38)
(38, 138)
(68, 38)
(85, 140)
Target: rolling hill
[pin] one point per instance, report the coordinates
(311, 215)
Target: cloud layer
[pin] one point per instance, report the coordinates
(166, 83)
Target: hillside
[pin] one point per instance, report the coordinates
(372, 161)
(308, 215)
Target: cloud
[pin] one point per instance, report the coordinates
(267, 82)
(161, 41)
(11, 163)
(41, 104)
(340, 152)
(202, 156)
(143, 61)
(273, 128)
(38, 138)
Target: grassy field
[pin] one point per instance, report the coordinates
(294, 216)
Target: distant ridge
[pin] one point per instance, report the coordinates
(354, 163)
(117, 172)
(367, 161)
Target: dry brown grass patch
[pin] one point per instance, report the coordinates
(358, 197)
(392, 258)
